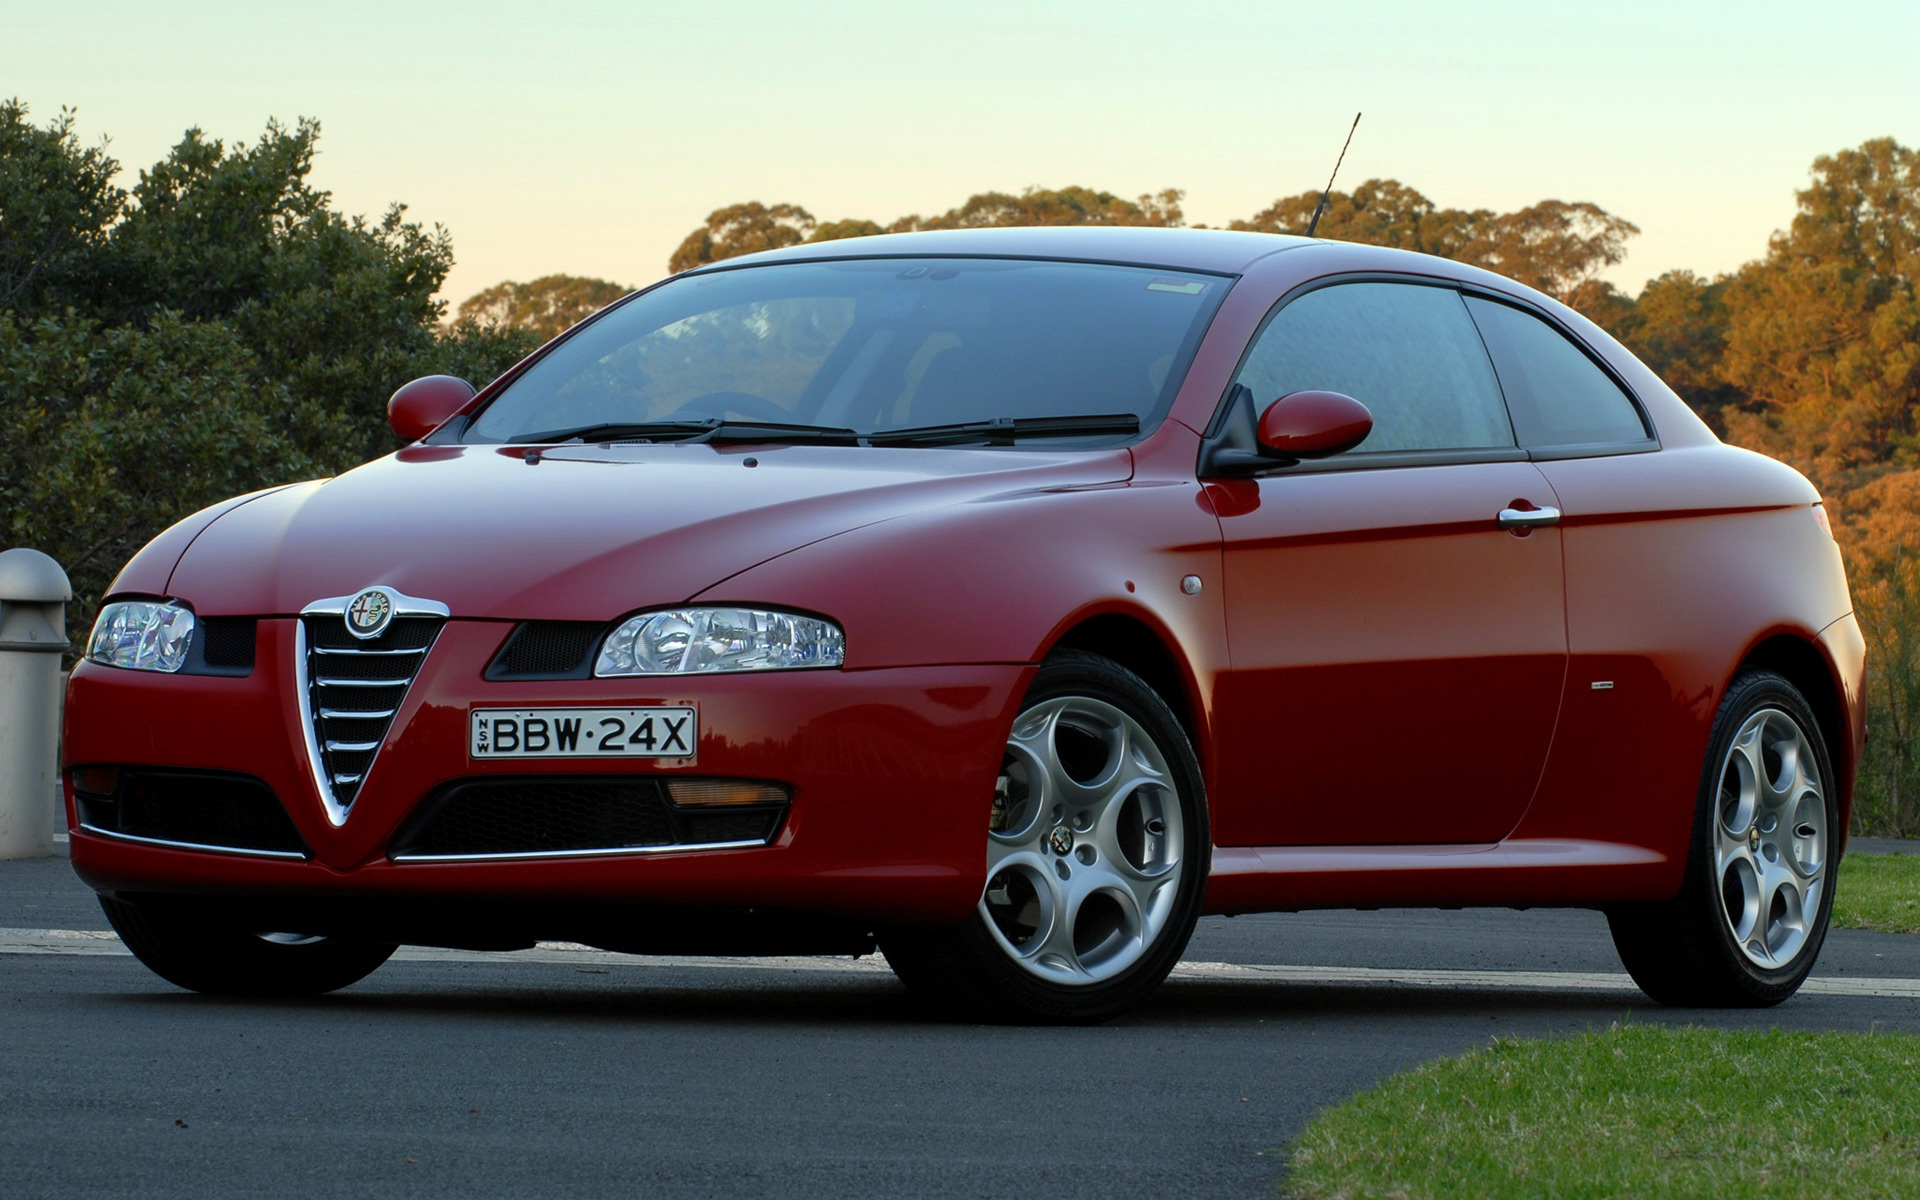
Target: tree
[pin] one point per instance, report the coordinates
(57, 201)
(547, 307)
(1380, 212)
(833, 231)
(1678, 326)
(217, 329)
(1824, 332)
(747, 228)
(742, 229)
(1555, 246)
(1046, 206)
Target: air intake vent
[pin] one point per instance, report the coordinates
(222, 646)
(548, 650)
(355, 686)
(575, 814)
(192, 810)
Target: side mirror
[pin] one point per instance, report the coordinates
(1313, 425)
(424, 405)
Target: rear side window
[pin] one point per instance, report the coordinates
(1558, 396)
(1406, 351)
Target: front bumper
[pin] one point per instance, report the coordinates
(892, 773)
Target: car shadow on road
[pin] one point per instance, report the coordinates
(882, 1002)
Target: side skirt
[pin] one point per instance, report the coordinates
(1543, 872)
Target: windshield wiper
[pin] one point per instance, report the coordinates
(713, 429)
(1004, 431)
(1000, 431)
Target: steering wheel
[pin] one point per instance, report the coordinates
(718, 404)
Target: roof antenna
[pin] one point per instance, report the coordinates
(1320, 207)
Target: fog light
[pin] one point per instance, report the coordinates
(703, 793)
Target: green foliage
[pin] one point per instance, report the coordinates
(747, 228)
(1635, 1111)
(1824, 332)
(833, 231)
(1878, 891)
(742, 229)
(1047, 206)
(56, 201)
(1886, 797)
(547, 307)
(1557, 247)
(119, 431)
(217, 329)
(1678, 326)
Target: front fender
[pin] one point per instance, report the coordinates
(999, 579)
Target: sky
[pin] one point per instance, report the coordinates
(590, 138)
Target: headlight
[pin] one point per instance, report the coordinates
(142, 635)
(682, 640)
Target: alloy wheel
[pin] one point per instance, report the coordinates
(1084, 857)
(1770, 838)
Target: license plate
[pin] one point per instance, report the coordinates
(583, 733)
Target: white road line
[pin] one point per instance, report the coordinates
(83, 942)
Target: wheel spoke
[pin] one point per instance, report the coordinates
(1135, 891)
(1056, 951)
(1741, 885)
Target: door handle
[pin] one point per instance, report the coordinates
(1528, 518)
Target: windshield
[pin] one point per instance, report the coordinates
(869, 346)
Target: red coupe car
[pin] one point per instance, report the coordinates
(1003, 599)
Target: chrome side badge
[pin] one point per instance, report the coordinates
(369, 613)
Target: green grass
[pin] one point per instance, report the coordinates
(1631, 1112)
(1878, 891)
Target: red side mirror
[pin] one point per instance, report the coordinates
(424, 405)
(1313, 425)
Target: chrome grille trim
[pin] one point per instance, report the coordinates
(292, 855)
(608, 852)
(332, 650)
(339, 782)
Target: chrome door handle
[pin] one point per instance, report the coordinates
(1528, 518)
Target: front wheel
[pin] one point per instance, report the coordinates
(1096, 859)
(187, 948)
(1752, 910)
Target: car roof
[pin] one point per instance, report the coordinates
(1226, 251)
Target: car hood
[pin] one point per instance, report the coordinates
(587, 532)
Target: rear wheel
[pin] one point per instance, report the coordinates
(1096, 854)
(183, 946)
(1752, 912)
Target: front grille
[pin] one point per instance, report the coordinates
(571, 814)
(233, 812)
(355, 687)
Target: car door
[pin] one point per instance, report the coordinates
(1656, 549)
(1398, 649)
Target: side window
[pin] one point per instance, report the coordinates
(1558, 396)
(1407, 351)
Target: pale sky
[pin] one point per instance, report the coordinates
(589, 138)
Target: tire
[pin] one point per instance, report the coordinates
(181, 945)
(1753, 906)
(1097, 854)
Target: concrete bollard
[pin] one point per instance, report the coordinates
(33, 634)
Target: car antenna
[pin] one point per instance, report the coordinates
(1320, 207)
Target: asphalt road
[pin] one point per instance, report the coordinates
(587, 1075)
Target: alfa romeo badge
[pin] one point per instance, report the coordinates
(370, 613)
